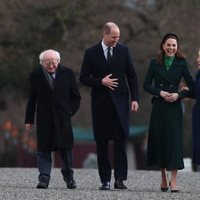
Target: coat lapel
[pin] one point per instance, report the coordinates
(58, 78)
(42, 78)
(171, 73)
(174, 69)
(164, 73)
(115, 53)
(100, 53)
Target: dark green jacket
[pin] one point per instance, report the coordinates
(166, 122)
(168, 81)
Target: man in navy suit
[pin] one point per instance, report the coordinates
(108, 69)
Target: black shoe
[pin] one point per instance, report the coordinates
(119, 185)
(105, 186)
(42, 185)
(71, 184)
(164, 189)
(175, 191)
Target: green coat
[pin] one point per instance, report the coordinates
(166, 121)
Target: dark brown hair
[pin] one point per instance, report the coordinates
(161, 53)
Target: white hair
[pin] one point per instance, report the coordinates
(42, 55)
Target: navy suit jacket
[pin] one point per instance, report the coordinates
(94, 68)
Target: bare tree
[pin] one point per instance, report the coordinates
(28, 27)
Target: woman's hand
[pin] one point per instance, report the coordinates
(169, 97)
(164, 94)
(172, 97)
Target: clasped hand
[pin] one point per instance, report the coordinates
(109, 82)
(170, 97)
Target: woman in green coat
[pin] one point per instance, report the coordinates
(166, 123)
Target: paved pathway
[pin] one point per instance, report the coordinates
(20, 184)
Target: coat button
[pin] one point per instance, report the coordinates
(161, 85)
(171, 85)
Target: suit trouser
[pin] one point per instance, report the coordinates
(44, 162)
(120, 160)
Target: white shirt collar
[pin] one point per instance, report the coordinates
(104, 46)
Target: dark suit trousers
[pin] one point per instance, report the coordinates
(44, 162)
(120, 160)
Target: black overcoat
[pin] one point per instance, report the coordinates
(94, 68)
(54, 108)
(166, 122)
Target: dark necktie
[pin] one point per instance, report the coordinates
(52, 74)
(109, 57)
(51, 80)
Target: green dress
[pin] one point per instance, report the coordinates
(166, 120)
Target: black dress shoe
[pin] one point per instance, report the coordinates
(164, 189)
(71, 184)
(119, 185)
(174, 191)
(42, 185)
(105, 186)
